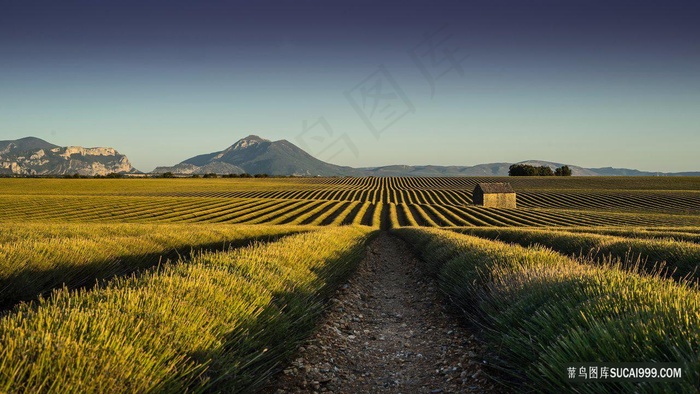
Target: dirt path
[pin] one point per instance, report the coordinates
(387, 331)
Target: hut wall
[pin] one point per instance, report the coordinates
(478, 198)
(499, 200)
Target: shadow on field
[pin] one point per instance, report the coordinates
(30, 284)
(385, 218)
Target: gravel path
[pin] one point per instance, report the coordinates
(387, 331)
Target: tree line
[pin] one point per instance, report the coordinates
(213, 175)
(528, 170)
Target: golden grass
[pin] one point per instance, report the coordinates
(219, 322)
(679, 259)
(38, 257)
(541, 310)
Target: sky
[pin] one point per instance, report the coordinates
(360, 83)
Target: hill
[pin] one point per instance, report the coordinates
(255, 155)
(34, 156)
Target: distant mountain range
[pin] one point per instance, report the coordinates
(252, 155)
(34, 156)
(255, 155)
(501, 169)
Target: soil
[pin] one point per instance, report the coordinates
(388, 330)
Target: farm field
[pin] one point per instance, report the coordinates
(379, 202)
(214, 322)
(542, 310)
(676, 258)
(36, 258)
(494, 197)
(212, 285)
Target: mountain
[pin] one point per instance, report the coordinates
(494, 169)
(575, 170)
(25, 145)
(255, 155)
(606, 171)
(252, 155)
(501, 169)
(491, 169)
(34, 156)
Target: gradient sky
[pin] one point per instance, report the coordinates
(590, 83)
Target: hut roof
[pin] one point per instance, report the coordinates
(495, 188)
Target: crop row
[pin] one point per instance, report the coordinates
(591, 200)
(687, 234)
(685, 202)
(679, 259)
(541, 311)
(220, 322)
(309, 212)
(615, 183)
(450, 193)
(679, 195)
(521, 184)
(37, 258)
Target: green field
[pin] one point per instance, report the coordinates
(208, 285)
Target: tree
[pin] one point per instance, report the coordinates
(528, 170)
(168, 175)
(521, 170)
(563, 171)
(544, 171)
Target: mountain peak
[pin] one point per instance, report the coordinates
(256, 155)
(247, 142)
(254, 137)
(31, 139)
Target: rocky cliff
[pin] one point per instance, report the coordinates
(33, 156)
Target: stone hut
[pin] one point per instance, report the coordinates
(494, 195)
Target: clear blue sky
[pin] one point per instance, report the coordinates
(591, 83)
